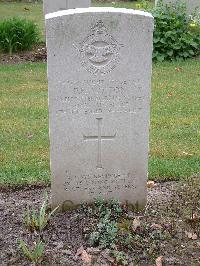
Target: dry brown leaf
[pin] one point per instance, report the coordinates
(29, 136)
(79, 251)
(186, 153)
(159, 261)
(85, 257)
(188, 234)
(136, 223)
(170, 94)
(178, 69)
(192, 236)
(156, 226)
(151, 184)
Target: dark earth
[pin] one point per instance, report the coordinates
(38, 54)
(65, 234)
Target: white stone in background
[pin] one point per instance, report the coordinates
(78, 3)
(57, 5)
(99, 74)
(192, 5)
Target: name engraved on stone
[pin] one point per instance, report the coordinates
(99, 138)
(99, 103)
(99, 52)
(99, 182)
(100, 96)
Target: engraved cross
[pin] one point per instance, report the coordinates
(99, 138)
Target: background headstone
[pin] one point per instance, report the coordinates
(57, 5)
(99, 74)
(191, 5)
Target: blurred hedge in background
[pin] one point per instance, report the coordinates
(18, 35)
(176, 34)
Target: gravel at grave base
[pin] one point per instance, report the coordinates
(64, 235)
(37, 54)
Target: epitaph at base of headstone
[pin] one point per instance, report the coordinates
(191, 5)
(50, 6)
(99, 74)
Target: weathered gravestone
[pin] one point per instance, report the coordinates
(56, 5)
(191, 5)
(99, 73)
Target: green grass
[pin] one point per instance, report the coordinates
(116, 4)
(34, 12)
(30, 11)
(24, 145)
(175, 122)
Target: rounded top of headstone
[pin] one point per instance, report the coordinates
(97, 10)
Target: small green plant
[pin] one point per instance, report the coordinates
(195, 23)
(112, 207)
(107, 215)
(17, 34)
(176, 35)
(112, 228)
(143, 5)
(173, 36)
(38, 221)
(105, 233)
(120, 257)
(33, 254)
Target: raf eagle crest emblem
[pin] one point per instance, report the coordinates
(99, 52)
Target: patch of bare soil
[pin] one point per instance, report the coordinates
(65, 233)
(38, 54)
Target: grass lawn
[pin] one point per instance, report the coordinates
(35, 11)
(24, 145)
(24, 10)
(175, 122)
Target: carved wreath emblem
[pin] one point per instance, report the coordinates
(99, 52)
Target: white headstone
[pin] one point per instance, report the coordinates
(57, 5)
(99, 73)
(191, 5)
